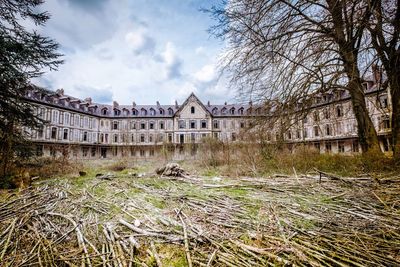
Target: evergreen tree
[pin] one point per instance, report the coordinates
(24, 54)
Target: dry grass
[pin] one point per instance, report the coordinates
(275, 221)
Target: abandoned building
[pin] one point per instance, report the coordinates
(84, 129)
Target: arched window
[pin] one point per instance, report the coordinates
(104, 111)
(192, 110)
(170, 111)
(232, 111)
(162, 112)
(152, 112)
(223, 111)
(241, 110)
(117, 112)
(135, 112)
(125, 112)
(143, 112)
(214, 111)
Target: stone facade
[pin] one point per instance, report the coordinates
(84, 129)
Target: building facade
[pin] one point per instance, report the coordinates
(83, 129)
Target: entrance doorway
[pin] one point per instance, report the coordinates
(103, 152)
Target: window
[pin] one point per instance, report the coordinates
(339, 111)
(93, 152)
(143, 125)
(162, 112)
(53, 133)
(341, 147)
(84, 152)
(40, 133)
(316, 131)
(115, 125)
(234, 136)
(117, 112)
(355, 147)
(328, 130)
(223, 111)
(152, 112)
(65, 136)
(216, 124)
(241, 110)
(232, 111)
(192, 124)
(142, 153)
(242, 124)
(215, 111)
(305, 119)
(328, 147)
(170, 111)
(181, 124)
(289, 135)
(162, 126)
(169, 138)
(143, 112)
(203, 124)
(142, 138)
(216, 135)
(192, 110)
(383, 101)
(151, 152)
(151, 125)
(115, 139)
(327, 115)
(316, 116)
(85, 136)
(305, 133)
(150, 138)
(133, 125)
(384, 123)
(135, 112)
(298, 134)
(126, 112)
(104, 111)
(193, 137)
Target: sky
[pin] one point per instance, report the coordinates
(135, 50)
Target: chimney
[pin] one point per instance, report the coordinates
(115, 104)
(176, 104)
(251, 103)
(134, 104)
(225, 103)
(208, 103)
(158, 104)
(89, 100)
(60, 91)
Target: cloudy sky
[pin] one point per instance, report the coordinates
(135, 50)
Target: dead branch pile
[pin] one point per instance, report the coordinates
(172, 169)
(245, 222)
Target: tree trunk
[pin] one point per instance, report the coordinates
(367, 135)
(394, 83)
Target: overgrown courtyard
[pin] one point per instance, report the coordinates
(134, 217)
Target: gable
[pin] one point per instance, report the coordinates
(192, 103)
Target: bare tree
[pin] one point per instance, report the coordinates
(384, 29)
(287, 51)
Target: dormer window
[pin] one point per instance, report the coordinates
(215, 111)
(192, 110)
(117, 112)
(152, 112)
(135, 112)
(143, 112)
(104, 111)
(232, 111)
(126, 112)
(241, 111)
(223, 111)
(162, 112)
(170, 111)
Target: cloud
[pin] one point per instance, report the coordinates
(172, 61)
(133, 50)
(206, 73)
(140, 42)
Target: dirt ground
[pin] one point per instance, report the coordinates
(135, 217)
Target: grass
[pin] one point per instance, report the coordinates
(281, 208)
